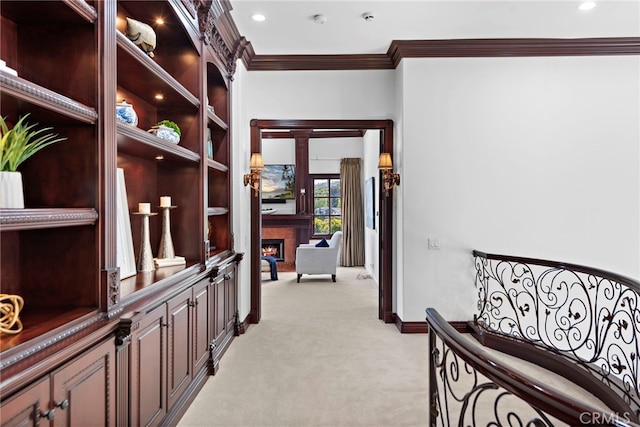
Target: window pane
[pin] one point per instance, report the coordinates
(320, 187)
(321, 225)
(320, 206)
(335, 206)
(335, 188)
(336, 224)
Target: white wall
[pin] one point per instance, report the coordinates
(325, 153)
(536, 157)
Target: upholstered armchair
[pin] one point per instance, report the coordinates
(311, 259)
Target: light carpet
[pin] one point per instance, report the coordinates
(319, 357)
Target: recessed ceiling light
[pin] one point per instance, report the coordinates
(587, 5)
(258, 17)
(319, 19)
(159, 96)
(159, 21)
(368, 16)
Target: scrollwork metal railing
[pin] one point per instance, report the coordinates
(587, 315)
(469, 388)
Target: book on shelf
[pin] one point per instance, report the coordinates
(168, 262)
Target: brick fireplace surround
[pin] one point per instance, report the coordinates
(290, 245)
(294, 229)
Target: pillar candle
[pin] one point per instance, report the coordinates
(165, 201)
(144, 208)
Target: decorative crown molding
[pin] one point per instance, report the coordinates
(461, 48)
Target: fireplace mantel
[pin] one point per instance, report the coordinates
(302, 224)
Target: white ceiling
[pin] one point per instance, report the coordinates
(290, 27)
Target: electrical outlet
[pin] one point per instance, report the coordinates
(433, 243)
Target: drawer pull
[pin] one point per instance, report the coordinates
(63, 405)
(49, 414)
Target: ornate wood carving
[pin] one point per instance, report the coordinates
(113, 285)
(192, 7)
(22, 89)
(24, 219)
(214, 20)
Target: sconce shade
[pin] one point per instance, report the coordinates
(256, 161)
(385, 161)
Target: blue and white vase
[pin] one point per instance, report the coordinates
(126, 114)
(166, 133)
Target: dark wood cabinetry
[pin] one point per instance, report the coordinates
(97, 347)
(76, 394)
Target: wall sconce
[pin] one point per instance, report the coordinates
(389, 178)
(256, 164)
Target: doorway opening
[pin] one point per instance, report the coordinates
(302, 130)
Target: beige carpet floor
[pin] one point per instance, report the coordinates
(318, 357)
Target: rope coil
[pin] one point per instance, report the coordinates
(10, 306)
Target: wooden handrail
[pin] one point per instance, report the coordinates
(537, 394)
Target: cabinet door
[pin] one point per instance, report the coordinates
(178, 354)
(148, 369)
(29, 407)
(230, 296)
(200, 325)
(83, 390)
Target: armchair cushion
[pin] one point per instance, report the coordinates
(322, 244)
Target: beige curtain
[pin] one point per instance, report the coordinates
(352, 253)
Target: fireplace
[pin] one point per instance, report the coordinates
(274, 248)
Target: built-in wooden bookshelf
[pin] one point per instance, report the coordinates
(60, 253)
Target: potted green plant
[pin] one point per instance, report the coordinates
(167, 130)
(17, 145)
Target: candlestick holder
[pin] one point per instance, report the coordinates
(166, 244)
(145, 257)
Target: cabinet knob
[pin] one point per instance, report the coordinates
(63, 405)
(227, 277)
(168, 324)
(49, 414)
(193, 303)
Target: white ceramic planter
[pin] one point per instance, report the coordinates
(11, 194)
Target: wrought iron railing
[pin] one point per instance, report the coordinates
(469, 388)
(589, 316)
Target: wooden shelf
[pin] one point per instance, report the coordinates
(214, 165)
(136, 142)
(29, 219)
(217, 121)
(214, 211)
(83, 9)
(137, 71)
(143, 281)
(66, 11)
(23, 90)
(41, 322)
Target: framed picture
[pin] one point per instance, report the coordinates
(278, 182)
(370, 203)
(124, 245)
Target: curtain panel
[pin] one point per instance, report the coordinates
(352, 253)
